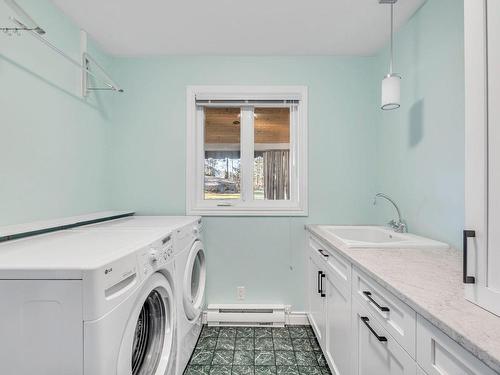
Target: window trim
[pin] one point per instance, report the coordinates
(195, 204)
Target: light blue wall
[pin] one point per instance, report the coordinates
(266, 255)
(53, 144)
(61, 155)
(421, 145)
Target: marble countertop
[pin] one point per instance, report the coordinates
(430, 282)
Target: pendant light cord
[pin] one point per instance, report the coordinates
(392, 40)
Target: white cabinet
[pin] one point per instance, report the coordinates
(364, 329)
(437, 354)
(338, 323)
(316, 297)
(375, 352)
(395, 316)
(482, 153)
(330, 305)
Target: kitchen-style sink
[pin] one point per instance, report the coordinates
(377, 237)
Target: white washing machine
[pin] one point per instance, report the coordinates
(190, 272)
(190, 264)
(93, 303)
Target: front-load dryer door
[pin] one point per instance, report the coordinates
(148, 346)
(194, 281)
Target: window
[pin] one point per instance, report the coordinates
(247, 151)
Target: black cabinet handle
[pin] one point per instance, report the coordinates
(365, 320)
(322, 252)
(467, 279)
(369, 296)
(321, 285)
(318, 280)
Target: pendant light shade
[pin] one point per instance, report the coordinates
(391, 84)
(391, 92)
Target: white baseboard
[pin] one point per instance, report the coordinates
(294, 318)
(297, 318)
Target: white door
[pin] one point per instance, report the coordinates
(482, 187)
(375, 352)
(317, 299)
(338, 325)
(494, 146)
(194, 281)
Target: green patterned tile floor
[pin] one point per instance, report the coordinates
(292, 350)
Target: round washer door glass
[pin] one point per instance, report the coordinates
(147, 346)
(194, 281)
(149, 334)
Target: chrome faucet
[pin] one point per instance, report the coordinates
(398, 225)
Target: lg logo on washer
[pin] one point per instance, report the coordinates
(108, 270)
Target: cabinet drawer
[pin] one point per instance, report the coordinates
(438, 354)
(393, 314)
(375, 351)
(335, 265)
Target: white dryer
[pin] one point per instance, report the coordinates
(93, 303)
(190, 263)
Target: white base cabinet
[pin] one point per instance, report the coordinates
(330, 305)
(363, 329)
(438, 354)
(338, 325)
(375, 351)
(317, 301)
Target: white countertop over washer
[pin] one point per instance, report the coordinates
(68, 254)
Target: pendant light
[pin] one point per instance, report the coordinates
(391, 84)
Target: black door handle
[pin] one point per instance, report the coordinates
(321, 284)
(365, 320)
(318, 280)
(369, 296)
(467, 279)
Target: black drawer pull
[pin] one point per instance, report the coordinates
(366, 321)
(369, 296)
(322, 252)
(467, 279)
(321, 285)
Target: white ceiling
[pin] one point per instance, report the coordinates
(236, 27)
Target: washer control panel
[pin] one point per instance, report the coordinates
(156, 255)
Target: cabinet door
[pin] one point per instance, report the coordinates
(317, 300)
(482, 140)
(338, 325)
(437, 354)
(375, 352)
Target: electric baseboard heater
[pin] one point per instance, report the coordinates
(246, 315)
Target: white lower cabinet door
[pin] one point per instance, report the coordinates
(317, 300)
(440, 355)
(375, 352)
(338, 325)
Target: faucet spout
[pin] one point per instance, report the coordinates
(398, 225)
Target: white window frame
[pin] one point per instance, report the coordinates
(246, 205)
